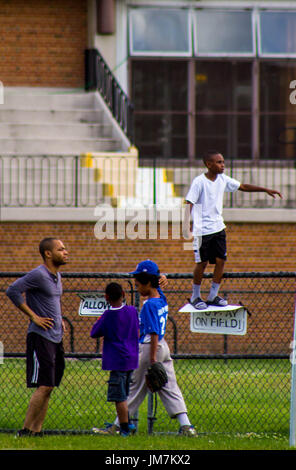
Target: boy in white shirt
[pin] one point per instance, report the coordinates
(205, 197)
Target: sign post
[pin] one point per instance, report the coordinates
(293, 388)
(229, 320)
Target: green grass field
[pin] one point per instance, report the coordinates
(235, 405)
(251, 441)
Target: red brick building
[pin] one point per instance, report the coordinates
(43, 43)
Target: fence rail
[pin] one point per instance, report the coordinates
(232, 384)
(76, 181)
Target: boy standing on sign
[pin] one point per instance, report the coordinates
(205, 197)
(154, 348)
(119, 326)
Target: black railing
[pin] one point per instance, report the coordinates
(78, 181)
(99, 76)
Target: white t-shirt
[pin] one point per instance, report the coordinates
(207, 199)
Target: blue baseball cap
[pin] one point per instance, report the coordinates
(147, 266)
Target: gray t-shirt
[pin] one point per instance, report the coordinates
(43, 292)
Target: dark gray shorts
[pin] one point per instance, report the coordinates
(118, 385)
(45, 361)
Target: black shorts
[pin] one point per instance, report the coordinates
(118, 385)
(212, 246)
(45, 361)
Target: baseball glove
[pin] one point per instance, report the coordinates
(156, 377)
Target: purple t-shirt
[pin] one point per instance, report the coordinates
(43, 295)
(120, 329)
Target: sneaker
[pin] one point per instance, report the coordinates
(198, 303)
(109, 430)
(187, 430)
(125, 433)
(132, 428)
(23, 433)
(113, 430)
(218, 302)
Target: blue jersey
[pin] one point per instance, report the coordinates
(153, 317)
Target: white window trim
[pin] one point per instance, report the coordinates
(279, 5)
(255, 7)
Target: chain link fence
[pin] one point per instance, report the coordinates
(230, 383)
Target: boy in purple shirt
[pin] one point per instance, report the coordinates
(119, 325)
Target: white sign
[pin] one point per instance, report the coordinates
(92, 304)
(230, 320)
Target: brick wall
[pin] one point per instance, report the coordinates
(251, 247)
(43, 43)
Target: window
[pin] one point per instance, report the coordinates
(224, 33)
(226, 92)
(277, 33)
(223, 93)
(277, 114)
(156, 31)
(159, 94)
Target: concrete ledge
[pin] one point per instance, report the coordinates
(87, 214)
(260, 215)
(44, 214)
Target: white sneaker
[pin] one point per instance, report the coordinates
(187, 430)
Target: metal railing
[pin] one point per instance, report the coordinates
(230, 383)
(116, 99)
(76, 181)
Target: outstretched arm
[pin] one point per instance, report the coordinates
(250, 188)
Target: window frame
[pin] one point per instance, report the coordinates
(256, 57)
(159, 53)
(272, 55)
(226, 54)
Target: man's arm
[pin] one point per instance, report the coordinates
(163, 282)
(43, 322)
(250, 188)
(15, 291)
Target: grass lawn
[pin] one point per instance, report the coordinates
(235, 405)
(251, 441)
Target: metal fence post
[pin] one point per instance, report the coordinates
(293, 389)
(150, 412)
(76, 181)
